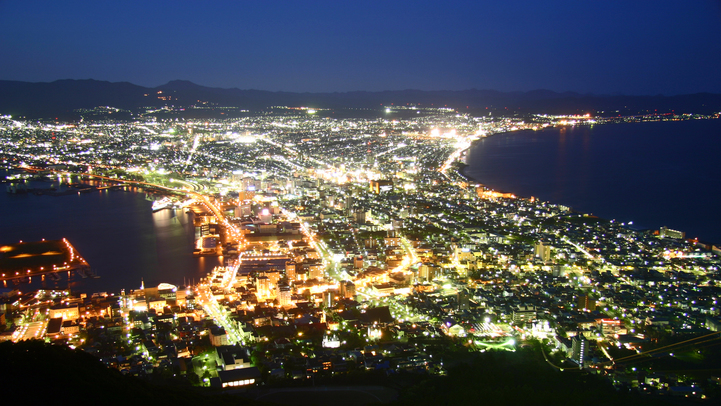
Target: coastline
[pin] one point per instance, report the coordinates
(677, 213)
(122, 239)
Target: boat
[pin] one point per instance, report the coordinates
(164, 203)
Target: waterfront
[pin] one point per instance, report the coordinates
(116, 232)
(654, 174)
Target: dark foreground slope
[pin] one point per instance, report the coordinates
(36, 373)
(522, 378)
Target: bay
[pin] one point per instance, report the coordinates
(652, 173)
(115, 230)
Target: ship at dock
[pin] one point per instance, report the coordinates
(164, 203)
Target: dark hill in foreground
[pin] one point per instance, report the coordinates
(62, 97)
(42, 374)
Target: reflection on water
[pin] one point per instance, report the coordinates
(116, 232)
(655, 174)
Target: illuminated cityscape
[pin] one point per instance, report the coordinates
(358, 245)
(318, 203)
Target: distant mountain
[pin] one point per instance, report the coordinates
(62, 97)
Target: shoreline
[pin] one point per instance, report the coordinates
(646, 224)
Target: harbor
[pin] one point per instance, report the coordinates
(26, 260)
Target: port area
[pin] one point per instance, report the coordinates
(27, 259)
(70, 189)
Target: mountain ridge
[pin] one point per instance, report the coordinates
(63, 96)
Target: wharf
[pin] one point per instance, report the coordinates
(71, 190)
(28, 259)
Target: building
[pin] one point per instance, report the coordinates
(587, 303)
(463, 298)
(263, 287)
(359, 216)
(229, 358)
(236, 378)
(543, 251)
(64, 311)
(290, 270)
(347, 289)
(579, 349)
(427, 272)
(284, 295)
(524, 314)
(54, 327)
(358, 262)
(218, 336)
(378, 186)
(330, 298)
(665, 232)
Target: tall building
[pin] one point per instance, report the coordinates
(263, 287)
(427, 272)
(579, 349)
(463, 300)
(290, 270)
(347, 289)
(359, 215)
(284, 295)
(330, 298)
(543, 251)
(587, 303)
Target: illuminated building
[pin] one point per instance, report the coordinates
(378, 186)
(329, 298)
(586, 303)
(315, 271)
(64, 311)
(579, 349)
(347, 289)
(290, 269)
(542, 251)
(374, 332)
(524, 314)
(284, 295)
(263, 287)
(427, 272)
(167, 291)
(265, 216)
(358, 262)
(230, 358)
(331, 341)
(273, 276)
(218, 336)
(236, 378)
(665, 232)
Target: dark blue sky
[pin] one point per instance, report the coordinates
(629, 47)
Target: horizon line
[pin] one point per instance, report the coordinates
(573, 92)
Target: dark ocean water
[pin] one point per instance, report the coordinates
(654, 174)
(114, 230)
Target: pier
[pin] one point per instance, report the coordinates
(27, 259)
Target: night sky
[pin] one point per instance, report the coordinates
(631, 47)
